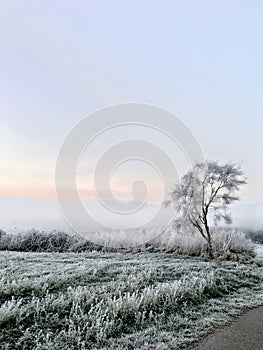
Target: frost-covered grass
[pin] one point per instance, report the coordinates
(119, 301)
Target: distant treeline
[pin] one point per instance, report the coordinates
(255, 235)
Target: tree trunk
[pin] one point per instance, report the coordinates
(210, 248)
(208, 233)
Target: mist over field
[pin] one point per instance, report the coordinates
(25, 213)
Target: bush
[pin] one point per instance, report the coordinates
(232, 244)
(40, 241)
(228, 244)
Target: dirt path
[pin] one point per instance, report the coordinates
(245, 333)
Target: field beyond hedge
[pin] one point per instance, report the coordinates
(105, 301)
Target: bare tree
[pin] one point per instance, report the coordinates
(205, 193)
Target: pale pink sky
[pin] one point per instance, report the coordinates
(60, 61)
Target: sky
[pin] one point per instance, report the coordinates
(62, 60)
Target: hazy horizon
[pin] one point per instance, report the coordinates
(45, 215)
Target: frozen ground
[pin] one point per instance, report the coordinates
(119, 301)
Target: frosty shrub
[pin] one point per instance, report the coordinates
(232, 244)
(58, 241)
(40, 241)
(127, 238)
(227, 244)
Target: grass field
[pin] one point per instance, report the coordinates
(119, 301)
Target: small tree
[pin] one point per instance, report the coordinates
(205, 193)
